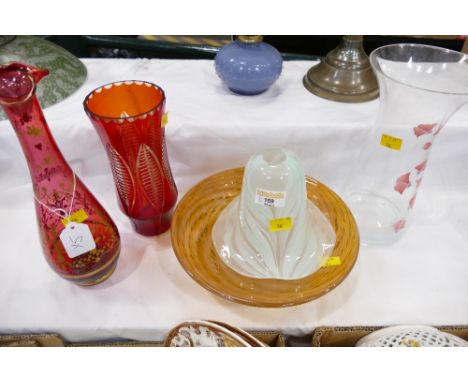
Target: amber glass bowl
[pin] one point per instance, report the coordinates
(191, 239)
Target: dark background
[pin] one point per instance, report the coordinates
(292, 47)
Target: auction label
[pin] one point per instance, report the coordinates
(270, 198)
(77, 239)
(391, 142)
(332, 261)
(77, 217)
(281, 224)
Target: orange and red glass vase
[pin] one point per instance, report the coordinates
(129, 117)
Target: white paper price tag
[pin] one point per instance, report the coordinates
(77, 239)
(270, 198)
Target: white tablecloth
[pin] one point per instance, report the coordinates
(422, 279)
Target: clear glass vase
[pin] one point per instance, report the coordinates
(421, 87)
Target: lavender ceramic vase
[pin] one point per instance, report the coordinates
(248, 66)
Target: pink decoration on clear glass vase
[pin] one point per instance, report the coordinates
(399, 225)
(411, 202)
(402, 183)
(424, 129)
(421, 166)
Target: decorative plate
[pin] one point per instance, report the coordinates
(203, 334)
(410, 336)
(191, 230)
(252, 341)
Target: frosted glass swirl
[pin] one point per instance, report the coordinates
(272, 230)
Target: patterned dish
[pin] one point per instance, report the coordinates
(245, 335)
(411, 336)
(204, 334)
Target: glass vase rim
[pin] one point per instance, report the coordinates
(376, 67)
(23, 98)
(130, 117)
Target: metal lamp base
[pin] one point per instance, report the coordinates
(345, 75)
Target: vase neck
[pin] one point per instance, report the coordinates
(250, 39)
(349, 54)
(18, 82)
(45, 161)
(402, 104)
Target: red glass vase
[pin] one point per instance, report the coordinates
(79, 239)
(129, 118)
